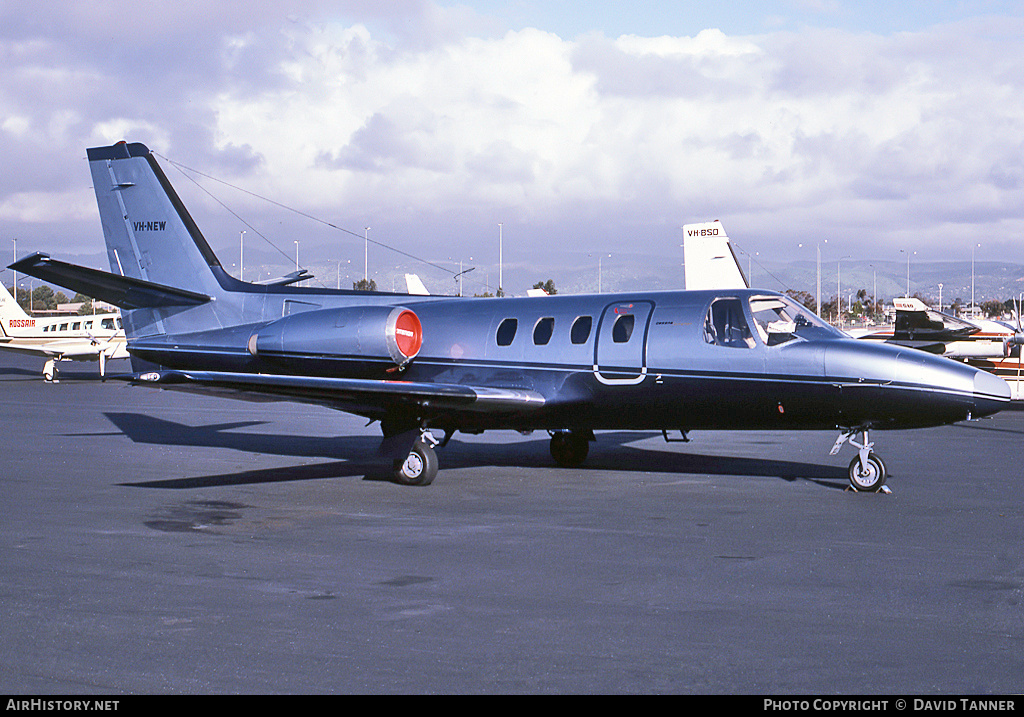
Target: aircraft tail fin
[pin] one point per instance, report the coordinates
(10, 311)
(709, 261)
(149, 233)
(414, 285)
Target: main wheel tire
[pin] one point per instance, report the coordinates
(871, 477)
(419, 467)
(569, 449)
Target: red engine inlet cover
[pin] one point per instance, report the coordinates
(408, 333)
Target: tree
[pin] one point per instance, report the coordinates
(803, 298)
(364, 285)
(992, 308)
(548, 286)
(43, 298)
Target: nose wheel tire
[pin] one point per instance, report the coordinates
(419, 467)
(868, 477)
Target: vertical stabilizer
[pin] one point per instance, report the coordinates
(12, 316)
(708, 259)
(150, 236)
(149, 233)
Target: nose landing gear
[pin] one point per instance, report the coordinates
(867, 469)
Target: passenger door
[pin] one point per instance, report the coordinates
(620, 350)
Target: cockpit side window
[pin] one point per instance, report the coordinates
(779, 319)
(726, 325)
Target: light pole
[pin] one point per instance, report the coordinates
(907, 252)
(501, 248)
(366, 253)
(15, 289)
(972, 278)
(940, 297)
(874, 290)
(296, 255)
(241, 256)
(339, 271)
(817, 290)
(818, 294)
(839, 291)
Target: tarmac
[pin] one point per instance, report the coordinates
(155, 542)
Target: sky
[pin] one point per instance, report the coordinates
(588, 131)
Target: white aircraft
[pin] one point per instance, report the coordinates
(992, 346)
(96, 337)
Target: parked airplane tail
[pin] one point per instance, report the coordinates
(149, 232)
(708, 258)
(10, 312)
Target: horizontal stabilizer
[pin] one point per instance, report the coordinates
(321, 390)
(122, 291)
(292, 278)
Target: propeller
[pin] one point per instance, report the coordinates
(1018, 340)
(1018, 337)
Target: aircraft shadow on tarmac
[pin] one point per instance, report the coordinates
(612, 455)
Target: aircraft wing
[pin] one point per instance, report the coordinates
(69, 349)
(361, 396)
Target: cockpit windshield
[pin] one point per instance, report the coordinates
(779, 319)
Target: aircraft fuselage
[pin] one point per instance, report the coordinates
(572, 350)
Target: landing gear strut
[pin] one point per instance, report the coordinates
(50, 371)
(867, 470)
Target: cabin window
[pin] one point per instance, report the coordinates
(622, 329)
(507, 331)
(726, 325)
(580, 331)
(77, 326)
(119, 323)
(107, 323)
(88, 325)
(543, 330)
(63, 327)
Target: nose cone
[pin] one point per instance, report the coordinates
(898, 387)
(991, 393)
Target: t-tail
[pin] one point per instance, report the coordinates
(160, 262)
(149, 233)
(150, 236)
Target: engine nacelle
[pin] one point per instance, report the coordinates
(378, 332)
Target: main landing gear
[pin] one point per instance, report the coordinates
(570, 448)
(867, 470)
(420, 466)
(50, 371)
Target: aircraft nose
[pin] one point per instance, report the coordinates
(991, 393)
